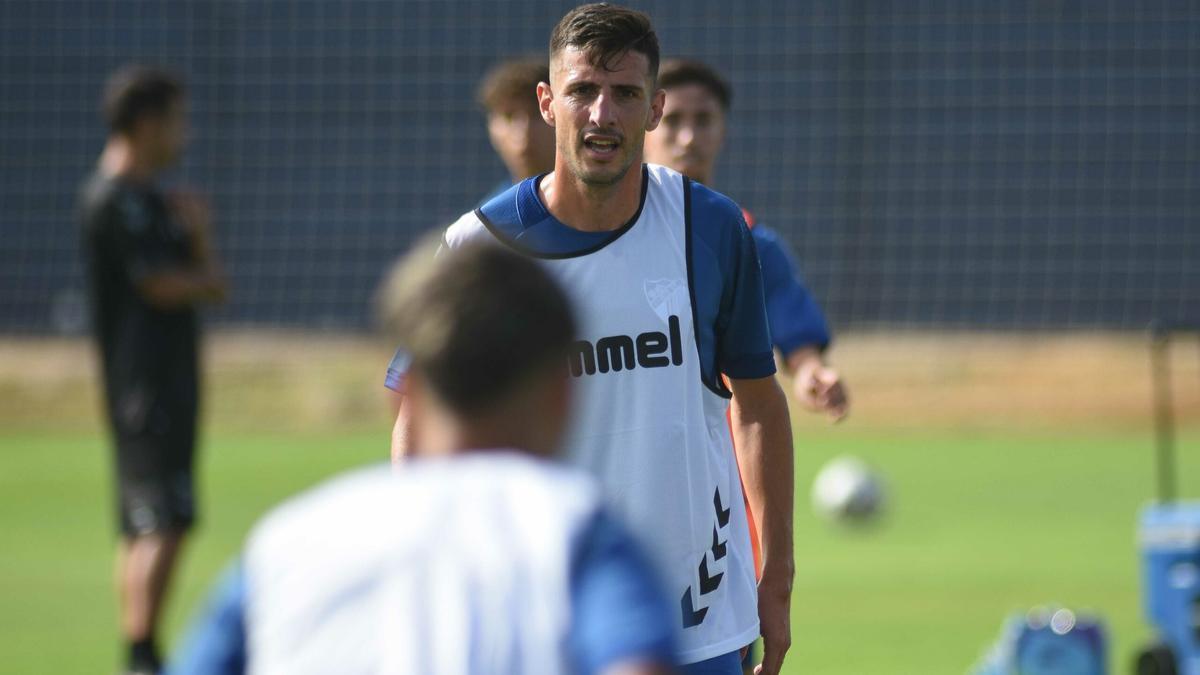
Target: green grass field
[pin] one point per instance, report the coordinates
(980, 524)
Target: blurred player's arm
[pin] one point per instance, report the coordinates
(799, 329)
(216, 642)
(173, 288)
(402, 429)
(622, 623)
(171, 284)
(817, 385)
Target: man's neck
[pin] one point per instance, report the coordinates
(120, 158)
(592, 208)
(442, 436)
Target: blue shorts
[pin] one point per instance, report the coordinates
(726, 664)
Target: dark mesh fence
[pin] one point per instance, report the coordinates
(944, 164)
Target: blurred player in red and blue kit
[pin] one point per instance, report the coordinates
(689, 140)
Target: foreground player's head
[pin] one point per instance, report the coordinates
(602, 95)
(692, 131)
(147, 108)
(508, 94)
(488, 333)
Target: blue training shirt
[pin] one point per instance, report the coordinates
(733, 334)
(795, 317)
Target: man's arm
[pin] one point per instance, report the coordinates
(402, 437)
(798, 329)
(174, 285)
(759, 419)
(762, 435)
(622, 623)
(174, 288)
(401, 431)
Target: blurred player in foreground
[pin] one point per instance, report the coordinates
(150, 264)
(689, 140)
(519, 135)
(666, 280)
(477, 556)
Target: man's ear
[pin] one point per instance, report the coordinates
(545, 98)
(657, 103)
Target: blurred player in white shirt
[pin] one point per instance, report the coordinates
(477, 556)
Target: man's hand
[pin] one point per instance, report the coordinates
(192, 209)
(775, 619)
(817, 386)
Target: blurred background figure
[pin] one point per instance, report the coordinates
(522, 139)
(479, 555)
(689, 140)
(150, 265)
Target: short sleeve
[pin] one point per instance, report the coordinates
(727, 290)
(744, 337)
(397, 369)
(793, 314)
(619, 611)
(216, 642)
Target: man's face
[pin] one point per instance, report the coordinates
(521, 137)
(165, 135)
(600, 116)
(691, 133)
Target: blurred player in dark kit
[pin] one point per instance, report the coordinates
(150, 265)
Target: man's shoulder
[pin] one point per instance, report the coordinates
(359, 504)
(764, 235)
(108, 201)
(716, 220)
(498, 214)
(468, 227)
(715, 207)
(99, 195)
(351, 490)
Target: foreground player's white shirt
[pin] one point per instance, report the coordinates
(450, 566)
(648, 426)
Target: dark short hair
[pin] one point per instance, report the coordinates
(606, 33)
(682, 72)
(134, 92)
(477, 321)
(515, 79)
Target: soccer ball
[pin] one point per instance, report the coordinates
(847, 490)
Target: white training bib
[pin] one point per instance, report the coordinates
(647, 426)
(453, 566)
